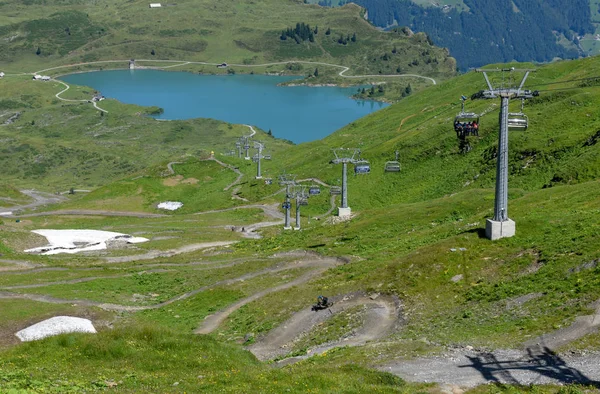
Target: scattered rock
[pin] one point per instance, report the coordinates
(585, 266)
(457, 278)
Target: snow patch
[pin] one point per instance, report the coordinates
(170, 205)
(55, 326)
(6, 213)
(74, 241)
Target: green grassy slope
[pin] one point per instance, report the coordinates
(561, 146)
(240, 31)
(148, 359)
(54, 144)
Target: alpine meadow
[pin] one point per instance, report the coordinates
(447, 243)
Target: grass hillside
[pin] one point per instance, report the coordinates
(56, 145)
(241, 31)
(560, 147)
(417, 238)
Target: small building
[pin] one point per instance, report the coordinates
(46, 78)
(155, 5)
(132, 64)
(37, 77)
(2, 74)
(222, 65)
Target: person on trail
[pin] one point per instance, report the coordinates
(322, 300)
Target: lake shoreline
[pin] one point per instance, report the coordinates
(240, 99)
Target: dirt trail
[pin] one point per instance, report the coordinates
(18, 265)
(92, 212)
(537, 364)
(382, 315)
(170, 169)
(167, 253)
(213, 321)
(466, 369)
(39, 199)
(283, 63)
(319, 264)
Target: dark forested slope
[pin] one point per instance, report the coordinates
(493, 31)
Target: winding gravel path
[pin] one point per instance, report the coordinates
(179, 63)
(319, 265)
(538, 363)
(67, 87)
(381, 317)
(167, 253)
(213, 321)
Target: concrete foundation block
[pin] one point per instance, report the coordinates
(495, 230)
(287, 228)
(344, 211)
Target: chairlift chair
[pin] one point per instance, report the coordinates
(303, 202)
(314, 190)
(286, 205)
(392, 165)
(362, 167)
(267, 157)
(518, 121)
(335, 190)
(465, 117)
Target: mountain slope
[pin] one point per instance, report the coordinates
(493, 31)
(240, 31)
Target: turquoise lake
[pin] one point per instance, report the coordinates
(297, 113)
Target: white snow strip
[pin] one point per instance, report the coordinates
(5, 213)
(55, 326)
(74, 241)
(170, 205)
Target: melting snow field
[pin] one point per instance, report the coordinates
(74, 241)
(170, 205)
(55, 326)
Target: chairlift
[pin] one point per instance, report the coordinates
(268, 181)
(286, 205)
(464, 118)
(314, 190)
(362, 167)
(335, 190)
(267, 157)
(518, 121)
(303, 202)
(393, 165)
(246, 147)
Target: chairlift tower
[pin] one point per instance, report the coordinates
(344, 156)
(301, 199)
(500, 226)
(247, 139)
(288, 181)
(259, 146)
(238, 145)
